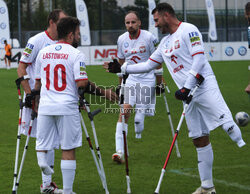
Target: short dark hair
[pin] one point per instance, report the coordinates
(54, 15)
(5, 41)
(164, 7)
(66, 25)
(134, 12)
(247, 8)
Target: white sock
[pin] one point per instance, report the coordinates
(205, 165)
(234, 132)
(68, 168)
(119, 136)
(47, 179)
(139, 124)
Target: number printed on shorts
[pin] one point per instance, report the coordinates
(57, 69)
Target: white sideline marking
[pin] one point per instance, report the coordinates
(243, 187)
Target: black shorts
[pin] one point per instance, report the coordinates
(8, 57)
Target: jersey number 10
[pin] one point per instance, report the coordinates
(63, 77)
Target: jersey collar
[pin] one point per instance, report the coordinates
(62, 42)
(46, 32)
(137, 35)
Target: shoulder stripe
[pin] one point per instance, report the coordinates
(25, 63)
(197, 53)
(154, 61)
(81, 79)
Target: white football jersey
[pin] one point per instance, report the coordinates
(34, 45)
(177, 51)
(59, 67)
(136, 51)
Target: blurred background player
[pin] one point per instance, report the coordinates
(247, 16)
(58, 114)
(27, 68)
(183, 53)
(136, 46)
(8, 53)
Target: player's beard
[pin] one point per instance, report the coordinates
(75, 43)
(132, 31)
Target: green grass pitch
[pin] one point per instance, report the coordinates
(146, 156)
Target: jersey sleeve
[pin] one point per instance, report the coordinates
(157, 56)
(30, 52)
(193, 40)
(80, 67)
(120, 55)
(38, 67)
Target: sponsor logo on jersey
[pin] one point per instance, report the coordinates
(28, 49)
(242, 51)
(142, 49)
(173, 59)
(82, 68)
(180, 67)
(126, 44)
(58, 47)
(229, 51)
(47, 44)
(194, 38)
(135, 59)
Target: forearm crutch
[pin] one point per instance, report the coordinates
(91, 147)
(18, 83)
(189, 98)
(171, 125)
(91, 117)
(33, 115)
(124, 132)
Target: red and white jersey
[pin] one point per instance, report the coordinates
(34, 45)
(59, 67)
(136, 51)
(177, 51)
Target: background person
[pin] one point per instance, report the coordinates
(8, 53)
(247, 16)
(136, 46)
(183, 53)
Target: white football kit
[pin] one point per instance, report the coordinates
(59, 67)
(34, 45)
(139, 88)
(208, 109)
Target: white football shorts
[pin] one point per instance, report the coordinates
(141, 95)
(58, 130)
(26, 117)
(206, 112)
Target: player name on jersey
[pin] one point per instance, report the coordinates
(55, 56)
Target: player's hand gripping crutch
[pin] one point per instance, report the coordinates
(91, 117)
(21, 104)
(91, 147)
(124, 132)
(170, 119)
(189, 98)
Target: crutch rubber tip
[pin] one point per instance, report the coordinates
(13, 192)
(156, 193)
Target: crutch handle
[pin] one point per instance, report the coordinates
(93, 113)
(200, 78)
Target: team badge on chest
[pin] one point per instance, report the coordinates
(142, 49)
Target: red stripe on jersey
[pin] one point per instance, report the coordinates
(46, 32)
(137, 35)
(198, 53)
(25, 63)
(155, 61)
(77, 80)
